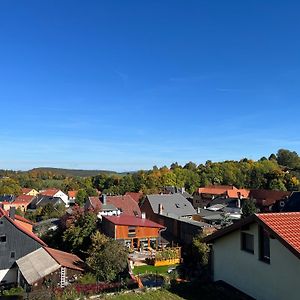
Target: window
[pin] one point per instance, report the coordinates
(264, 245)
(2, 238)
(247, 242)
(131, 231)
(12, 255)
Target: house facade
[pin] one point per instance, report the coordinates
(16, 241)
(55, 193)
(133, 231)
(260, 256)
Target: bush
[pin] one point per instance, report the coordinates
(87, 278)
(18, 291)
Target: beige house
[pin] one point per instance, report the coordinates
(260, 255)
(29, 192)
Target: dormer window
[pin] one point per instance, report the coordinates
(177, 205)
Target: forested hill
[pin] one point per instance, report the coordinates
(280, 171)
(73, 172)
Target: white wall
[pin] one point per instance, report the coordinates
(8, 275)
(63, 197)
(278, 280)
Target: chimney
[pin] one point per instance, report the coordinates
(160, 208)
(182, 190)
(239, 200)
(104, 202)
(143, 215)
(12, 212)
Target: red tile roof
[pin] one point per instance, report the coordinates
(26, 190)
(125, 203)
(135, 196)
(286, 225)
(283, 226)
(267, 197)
(65, 259)
(228, 190)
(132, 221)
(26, 199)
(72, 194)
(4, 214)
(49, 192)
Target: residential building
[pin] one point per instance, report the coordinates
(174, 212)
(203, 197)
(42, 200)
(135, 232)
(113, 205)
(29, 192)
(21, 202)
(16, 241)
(265, 199)
(259, 255)
(55, 193)
(167, 204)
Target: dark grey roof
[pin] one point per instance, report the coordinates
(174, 204)
(43, 200)
(176, 190)
(7, 198)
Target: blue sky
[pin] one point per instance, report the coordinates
(126, 85)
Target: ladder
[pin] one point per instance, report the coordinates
(62, 277)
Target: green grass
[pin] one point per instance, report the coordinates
(149, 295)
(151, 269)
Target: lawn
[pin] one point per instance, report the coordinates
(149, 295)
(151, 269)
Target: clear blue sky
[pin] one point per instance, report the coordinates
(125, 85)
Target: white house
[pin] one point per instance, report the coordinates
(55, 193)
(260, 255)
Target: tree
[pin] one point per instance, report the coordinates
(106, 257)
(248, 208)
(79, 230)
(201, 250)
(288, 158)
(81, 197)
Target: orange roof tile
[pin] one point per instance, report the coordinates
(49, 192)
(286, 225)
(72, 194)
(26, 199)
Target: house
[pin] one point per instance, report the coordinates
(100, 205)
(259, 255)
(113, 205)
(205, 195)
(167, 204)
(72, 195)
(48, 265)
(133, 231)
(29, 192)
(42, 200)
(174, 212)
(16, 241)
(55, 193)
(265, 199)
(21, 202)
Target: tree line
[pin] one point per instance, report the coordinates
(280, 171)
